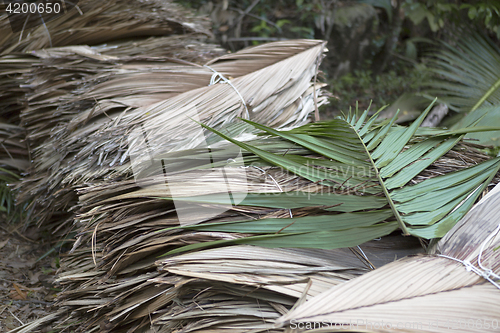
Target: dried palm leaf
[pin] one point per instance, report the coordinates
(68, 80)
(12, 84)
(53, 102)
(115, 278)
(436, 293)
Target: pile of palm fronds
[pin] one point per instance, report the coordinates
(91, 23)
(328, 185)
(13, 88)
(120, 28)
(47, 84)
(78, 127)
(111, 278)
(456, 288)
(66, 82)
(271, 83)
(179, 230)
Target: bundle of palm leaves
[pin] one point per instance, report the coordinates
(269, 83)
(47, 84)
(13, 67)
(456, 288)
(234, 288)
(171, 250)
(54, 81)
(78, 127)
(116, 28)
(91, 23)
(64, 82)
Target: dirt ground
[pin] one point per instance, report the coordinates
(26, 291)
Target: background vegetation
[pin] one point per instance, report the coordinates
(378, 49)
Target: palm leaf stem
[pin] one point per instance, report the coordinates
(486, 95)
(386, 192)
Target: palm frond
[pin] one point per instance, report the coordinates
(467, 75)
(117, 274)
(386, 158)
(483, 116)
(435, 292)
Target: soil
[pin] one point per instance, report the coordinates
(26, 291)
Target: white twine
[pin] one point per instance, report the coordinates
(484, 272)
(217, 77)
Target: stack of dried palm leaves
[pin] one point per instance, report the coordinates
(125, 27)
(59, 84)
(115, 278)
(237, 288)
(117, 124)
(78, 127)
(91, 23)
(271, 82)
(43, 83)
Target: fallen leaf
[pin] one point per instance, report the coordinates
(2, 244)
(17, 293)
(34, 277)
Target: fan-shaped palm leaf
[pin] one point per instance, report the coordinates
(468, 74)
(467, 79)
(423, 293)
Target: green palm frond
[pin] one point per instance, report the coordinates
(444, 278)
(466, 76)
(483, 116)
(382, 195)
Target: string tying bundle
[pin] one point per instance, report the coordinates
(218, 77)
(482, 271)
